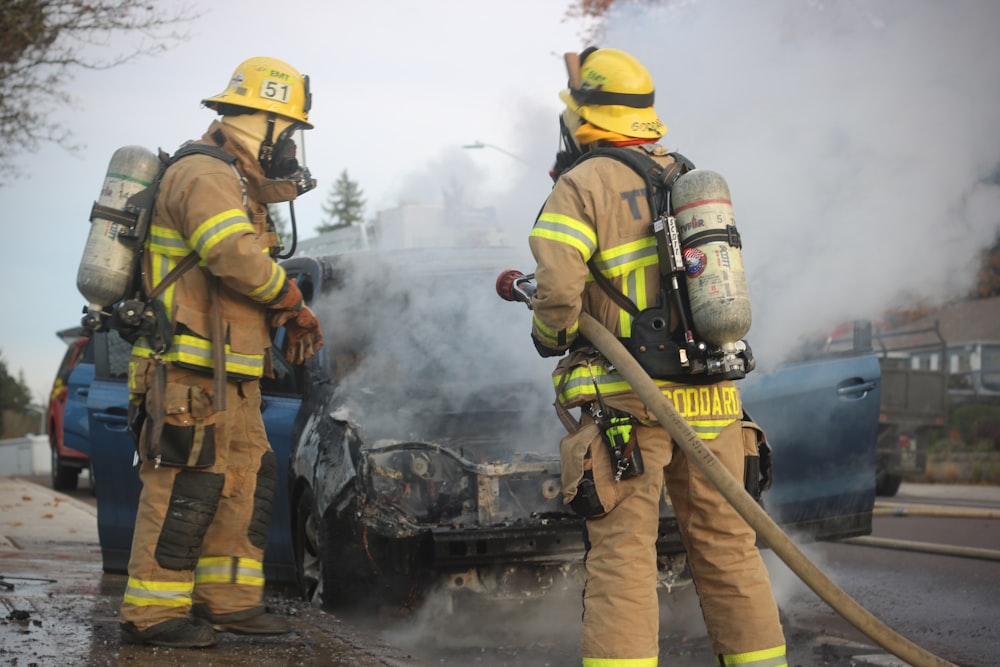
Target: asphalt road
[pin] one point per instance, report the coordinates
(945, 604)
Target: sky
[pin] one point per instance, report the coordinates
(858, 137)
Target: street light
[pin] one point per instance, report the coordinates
(480, 144)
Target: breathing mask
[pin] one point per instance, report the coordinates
(280, 157)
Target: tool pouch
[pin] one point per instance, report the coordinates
(578, 486)
(181, 425)
(757, 469)
(618, 435)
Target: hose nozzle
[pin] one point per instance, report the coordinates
(512, 285)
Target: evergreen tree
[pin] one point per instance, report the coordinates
(14, 393)
(344, 206)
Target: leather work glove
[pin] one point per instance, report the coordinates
(304, 335)
(290, 304)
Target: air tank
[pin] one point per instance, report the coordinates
(713, 261)
(108, 263)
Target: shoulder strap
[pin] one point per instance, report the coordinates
(615, 295)
(659, 180)
(190, 148)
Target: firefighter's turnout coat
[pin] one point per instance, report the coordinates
(208, 477)
(598, 211)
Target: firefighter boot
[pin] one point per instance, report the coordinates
(175, 633)
(250, 622)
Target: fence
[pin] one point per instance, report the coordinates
(25, 456)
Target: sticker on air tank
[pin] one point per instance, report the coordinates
(694, 262)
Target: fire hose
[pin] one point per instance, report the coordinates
(733, 491)
(905, 510)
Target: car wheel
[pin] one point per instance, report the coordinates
(307, 547)
(64, 478)
(886, 484)
(331, 568)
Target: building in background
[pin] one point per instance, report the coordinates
(412, 226)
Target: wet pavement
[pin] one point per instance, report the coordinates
(57, 606)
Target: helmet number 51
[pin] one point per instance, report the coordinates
(274, 90)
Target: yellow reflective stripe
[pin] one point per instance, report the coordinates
(619, 662)
(158, 593)
(229, 570)
(548, 335)
(269, 290)
(772, 657)
(621, 259)
(564, 229)
(219, 227)
(198, 352)
(708, 410)
(142, 349)
(635, 289)
(629, 260)
(160, 266)
(166, 241)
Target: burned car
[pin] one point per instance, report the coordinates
(425, 452)
(426, 449)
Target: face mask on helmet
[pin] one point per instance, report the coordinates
(280, 159)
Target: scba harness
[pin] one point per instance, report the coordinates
(143, 315)
(666, 349)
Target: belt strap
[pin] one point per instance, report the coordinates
(218, 348)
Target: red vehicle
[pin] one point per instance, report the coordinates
(64, 423)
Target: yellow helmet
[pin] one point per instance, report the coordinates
(267, 84)
(612, 90)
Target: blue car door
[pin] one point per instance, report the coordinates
(821, 421)
(75, 420)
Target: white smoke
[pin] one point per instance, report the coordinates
(858, 139)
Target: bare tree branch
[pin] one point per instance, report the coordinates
(43, 43)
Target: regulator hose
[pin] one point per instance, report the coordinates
(747, 507)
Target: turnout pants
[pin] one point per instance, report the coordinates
(621, 610)
(200, 532)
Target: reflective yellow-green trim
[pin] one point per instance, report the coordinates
(550, 336)
(269, 291)
(564, 229)
(620, 662)
(158, 593)
(196, 351)
(772, 657)
(166, 241)
(708, 409)
(229, 570)
(621, 259)
(219, 227)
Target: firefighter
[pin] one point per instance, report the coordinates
(208, 472)
(597, 218)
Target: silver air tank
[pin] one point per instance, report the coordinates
(106, 269)
(716, 281)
